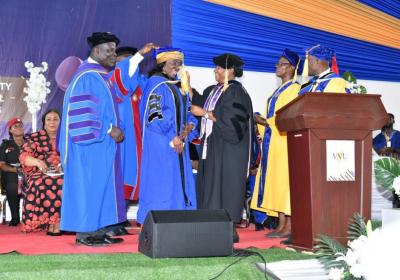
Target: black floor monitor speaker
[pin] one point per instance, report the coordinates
(186, 233)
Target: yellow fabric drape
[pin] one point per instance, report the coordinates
(344, 17)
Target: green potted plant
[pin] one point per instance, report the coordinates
(387, 174)
(352, 83)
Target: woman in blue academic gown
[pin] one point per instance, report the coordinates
(166, 177)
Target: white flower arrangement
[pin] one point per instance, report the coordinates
(355, 88)
(369, 254)
(396, 185)
(336, 273)
(353, 267)
(36, 90)
(344, 262)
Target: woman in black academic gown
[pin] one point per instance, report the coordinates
(227, 119)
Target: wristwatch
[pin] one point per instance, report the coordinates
(206, 115)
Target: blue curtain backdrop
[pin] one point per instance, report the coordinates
(204, 30)
(390, 7)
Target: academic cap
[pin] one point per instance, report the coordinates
(165, 53)
(169, 53)
(228, 60)
(98, 38)
(321, 52)
(293, 59)
(124, 50)
(291, 56)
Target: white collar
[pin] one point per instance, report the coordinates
(323, 73)
(91, 60)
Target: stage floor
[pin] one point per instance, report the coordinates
(13, 240)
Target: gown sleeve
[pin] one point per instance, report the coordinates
(232, 115)
(191, 119)
(90, 110)
(126, 76)
(160, 116)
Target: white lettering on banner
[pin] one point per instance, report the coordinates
(1, 101)
(5, 86)
(340, 160)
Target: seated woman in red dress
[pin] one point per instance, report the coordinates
(41, 164)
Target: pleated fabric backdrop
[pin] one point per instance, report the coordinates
(366, 39)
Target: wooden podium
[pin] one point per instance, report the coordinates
(314, 122)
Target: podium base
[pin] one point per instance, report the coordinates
(302, 248)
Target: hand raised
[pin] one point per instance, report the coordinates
(147, 48)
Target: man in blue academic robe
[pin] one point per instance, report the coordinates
(88, 143)
(131, 147)
(318, 60)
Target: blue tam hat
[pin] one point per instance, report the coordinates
(291, 56)
(166, 53)
(321, 52)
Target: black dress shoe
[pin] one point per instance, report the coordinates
(259, 227)
(13, 223)
(288, 241)
(235, 236)
(54, 233)
(110, 240)
(118, 232)
(92, 241)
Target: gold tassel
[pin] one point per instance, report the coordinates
(226, 85)
(295, 71)
(305, 67)
(184, 79)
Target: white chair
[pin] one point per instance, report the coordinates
(3, 208)
(5, 213)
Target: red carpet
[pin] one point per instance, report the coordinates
(13, 240)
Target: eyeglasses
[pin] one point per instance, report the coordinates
(281, 64)
(18, 125)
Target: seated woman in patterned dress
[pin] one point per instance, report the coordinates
(41, 164)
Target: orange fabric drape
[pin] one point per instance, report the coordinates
(344, 17)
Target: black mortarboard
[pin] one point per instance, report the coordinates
(126, 50)
(98, 38)
(228, 60)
